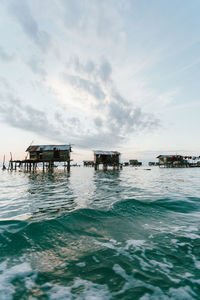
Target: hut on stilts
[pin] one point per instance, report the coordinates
(107, 158)
(178, 161)
(135, 163)
(47, 155)
(88, 163)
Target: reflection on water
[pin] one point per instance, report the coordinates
(48, 195)
(107, 188)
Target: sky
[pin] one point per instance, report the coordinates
(108, 75)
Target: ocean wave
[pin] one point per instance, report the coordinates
(120, 235)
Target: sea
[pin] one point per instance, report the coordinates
(98, 235)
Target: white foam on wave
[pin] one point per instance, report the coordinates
(192, 236)
(95, 259)
(23, 272)
(184, 293)
(196, 262)
(165, 266)
(81, 264)
(88, 290)
(136, 244)
(114, 245)
(123, 250)
(181, 293)
(156, 293)
(136, 250)
(20, 271)
(132, 282)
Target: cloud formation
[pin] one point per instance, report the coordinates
(94, 111)
(18, 115)
(63, 128)
(86, 85)
(36, 65)
(5, 56)
(115, 118)
(112, 118)
(21, 11)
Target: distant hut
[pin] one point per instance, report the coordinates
(171, 161)
(107, 158)
(135, 163)
(49, 154)
(88, 163)
(153, 163)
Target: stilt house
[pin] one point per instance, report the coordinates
(171, 160)
(106, 158)
(46, 153)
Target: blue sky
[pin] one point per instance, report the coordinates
(114, 75)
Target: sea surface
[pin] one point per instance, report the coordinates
(128, 234)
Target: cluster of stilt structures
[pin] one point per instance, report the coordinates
(45, 157)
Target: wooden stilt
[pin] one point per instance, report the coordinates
(68, 165)
(105, 167)
(4, 165)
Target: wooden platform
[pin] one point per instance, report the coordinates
(30, 164)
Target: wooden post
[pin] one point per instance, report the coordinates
(4, 166)
(68, 165)
(11, 162)
(51, 165)
(105, 166)
(10, 165)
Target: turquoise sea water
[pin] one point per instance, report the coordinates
(128, 234)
